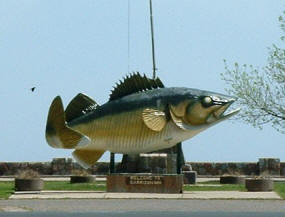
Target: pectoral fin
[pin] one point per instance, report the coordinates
(87, 158)
(154, 119)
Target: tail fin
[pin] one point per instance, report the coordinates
(58, 134)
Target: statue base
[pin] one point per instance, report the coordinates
(145, 183)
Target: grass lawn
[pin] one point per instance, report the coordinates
(279, 187)
(224, 187)
(63, 186)
(7, 188)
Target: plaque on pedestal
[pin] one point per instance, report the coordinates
(145, 183)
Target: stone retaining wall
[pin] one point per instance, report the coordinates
(242, 168)
(63, 166)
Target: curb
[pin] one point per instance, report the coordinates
(108, 195)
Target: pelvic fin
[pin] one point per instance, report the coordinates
(87, 158)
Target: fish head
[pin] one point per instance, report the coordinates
(202, 109)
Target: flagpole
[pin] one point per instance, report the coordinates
(152, 42)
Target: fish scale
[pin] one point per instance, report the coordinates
(121, 136)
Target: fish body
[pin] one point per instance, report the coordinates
(148, 118)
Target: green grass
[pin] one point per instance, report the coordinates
(6, 189)
(224, 187)
(279, 187)
(66, 186)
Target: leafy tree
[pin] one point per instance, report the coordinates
(261, 92)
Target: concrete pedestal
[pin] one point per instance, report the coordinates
(166, 161)
(145, 183)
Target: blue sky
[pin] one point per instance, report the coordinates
(66, 47)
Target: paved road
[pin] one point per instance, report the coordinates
(139, 205)
(144, 214)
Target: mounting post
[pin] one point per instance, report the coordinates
(178, 160)
(112, 162)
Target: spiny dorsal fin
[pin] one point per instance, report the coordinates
(134, 83)
(78, 106)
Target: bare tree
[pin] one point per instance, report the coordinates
(261, 92)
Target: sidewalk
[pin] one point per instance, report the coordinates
(108, 195)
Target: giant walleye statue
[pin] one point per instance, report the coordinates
(141, 116)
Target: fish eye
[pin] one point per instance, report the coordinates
(207, 101)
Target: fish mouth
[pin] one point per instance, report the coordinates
(223, 112)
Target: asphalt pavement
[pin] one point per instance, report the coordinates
(145, 214)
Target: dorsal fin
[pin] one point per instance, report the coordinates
(134, 83)
(78, 106)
